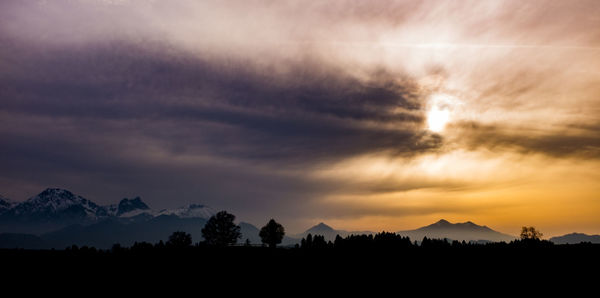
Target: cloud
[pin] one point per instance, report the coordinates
(310, 111)
(241, 105)
(570, 141)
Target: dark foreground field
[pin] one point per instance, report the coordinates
(496, 266)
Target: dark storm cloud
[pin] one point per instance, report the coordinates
(580, 141)
(311, 110)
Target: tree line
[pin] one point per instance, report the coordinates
(221, 231)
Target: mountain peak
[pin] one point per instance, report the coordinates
(127, 205)
(55, 192)
(470, 224)
(55, 189)
(56, 205)
(321, 227)
(442, 222)
(57, 198)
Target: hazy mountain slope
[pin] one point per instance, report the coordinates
(575, 238)
(108, 232)
(467, 231)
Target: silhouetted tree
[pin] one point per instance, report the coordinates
(530, 233)
(319, 241)
(338, 242)
(272, 233)
(179, 239)
(220, 230)
(306, 243)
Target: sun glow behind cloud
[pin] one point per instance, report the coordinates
(440, 111)
(437, 119)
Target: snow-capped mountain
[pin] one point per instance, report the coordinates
(56, 208)
(190, 211)
(55, 203)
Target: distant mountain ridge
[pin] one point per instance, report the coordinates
(467, 231)
(441, 229)
(575, 238)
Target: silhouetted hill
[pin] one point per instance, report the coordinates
(329, 233)
(322, 229)
(249, 232)
(466, 231)
(575, 238)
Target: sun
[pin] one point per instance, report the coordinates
(437, 118)
(440, 110)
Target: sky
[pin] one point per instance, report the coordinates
(366, 115)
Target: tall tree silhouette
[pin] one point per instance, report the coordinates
(272, 233)
(179, 239)
(530, 233)
(220, 230)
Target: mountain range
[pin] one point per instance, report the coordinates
(575, 238)
(56, 208)
(57, 218)
(467, 231)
